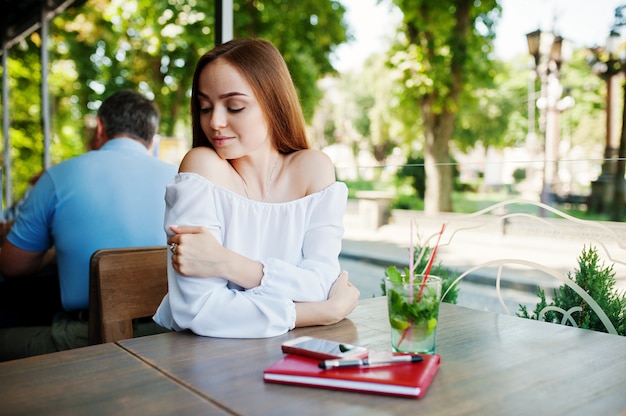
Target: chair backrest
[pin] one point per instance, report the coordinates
(124, 284)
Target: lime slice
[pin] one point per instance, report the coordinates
(432, 324)
(398, 324)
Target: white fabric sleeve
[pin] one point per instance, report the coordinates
(311, 279)
(210, 306)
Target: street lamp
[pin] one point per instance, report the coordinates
(549, 52)
(605, 63)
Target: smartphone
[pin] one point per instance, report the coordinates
(322, 349)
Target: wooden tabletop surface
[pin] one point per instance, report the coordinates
(491, 364)
(98, 380)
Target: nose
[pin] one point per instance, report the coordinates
(218, 118)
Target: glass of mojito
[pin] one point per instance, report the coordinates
(413, 313)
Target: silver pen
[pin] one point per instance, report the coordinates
(365, 362)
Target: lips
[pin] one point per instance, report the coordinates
(221, 140)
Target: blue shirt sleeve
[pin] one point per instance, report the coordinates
(31, 230)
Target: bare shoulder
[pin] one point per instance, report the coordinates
(312, 159)
(197, 158)
(204, 161)
(314, 169)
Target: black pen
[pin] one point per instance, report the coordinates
(325, 365)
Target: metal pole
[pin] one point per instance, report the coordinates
(8, 200)
(223, 21)
(617, 213)
(531, 103)
(45, 97)
(531, 137)
(543, 127)
(603, 188)
(553, 132)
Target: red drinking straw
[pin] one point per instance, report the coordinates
(430, 262)
(411, 264)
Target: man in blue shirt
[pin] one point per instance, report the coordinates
(109, 197)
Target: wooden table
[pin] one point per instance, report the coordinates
(99, 380)
(491, 364)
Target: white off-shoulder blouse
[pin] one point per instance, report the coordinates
(298, 242)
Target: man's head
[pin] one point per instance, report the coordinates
(126, 114)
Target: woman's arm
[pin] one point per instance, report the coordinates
(240, 314)
(304, 275)
(213, 306)
(198, 253)
(342, 300)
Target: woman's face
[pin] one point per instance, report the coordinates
(230, 115)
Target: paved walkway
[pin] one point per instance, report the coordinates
(555, 243)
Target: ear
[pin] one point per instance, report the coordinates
(99, 135)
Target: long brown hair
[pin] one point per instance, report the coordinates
(264, 68)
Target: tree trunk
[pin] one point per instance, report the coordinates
(438, 127)
(438, 131)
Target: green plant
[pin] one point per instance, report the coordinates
(519, 175)
(599, 282)
(409, 202)
(414, 172)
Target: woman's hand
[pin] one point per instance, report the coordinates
(198, 253)
(343, 297)
(342, 300)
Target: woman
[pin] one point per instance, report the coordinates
(255, 217)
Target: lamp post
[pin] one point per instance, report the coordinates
(606, 64)
(549, 52)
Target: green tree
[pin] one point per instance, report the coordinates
(305, 31)
(373, 110)
(26, 132)
(386, 128)
(153, 46)
(103, 46)
(493, 110)
(443, 47)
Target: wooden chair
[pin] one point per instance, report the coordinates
(124, 284)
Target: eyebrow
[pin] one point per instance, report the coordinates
(226, 95)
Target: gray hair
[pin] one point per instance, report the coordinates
(128, 113)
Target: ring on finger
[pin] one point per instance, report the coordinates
(173, 247)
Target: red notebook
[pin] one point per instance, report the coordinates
(399, 379)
